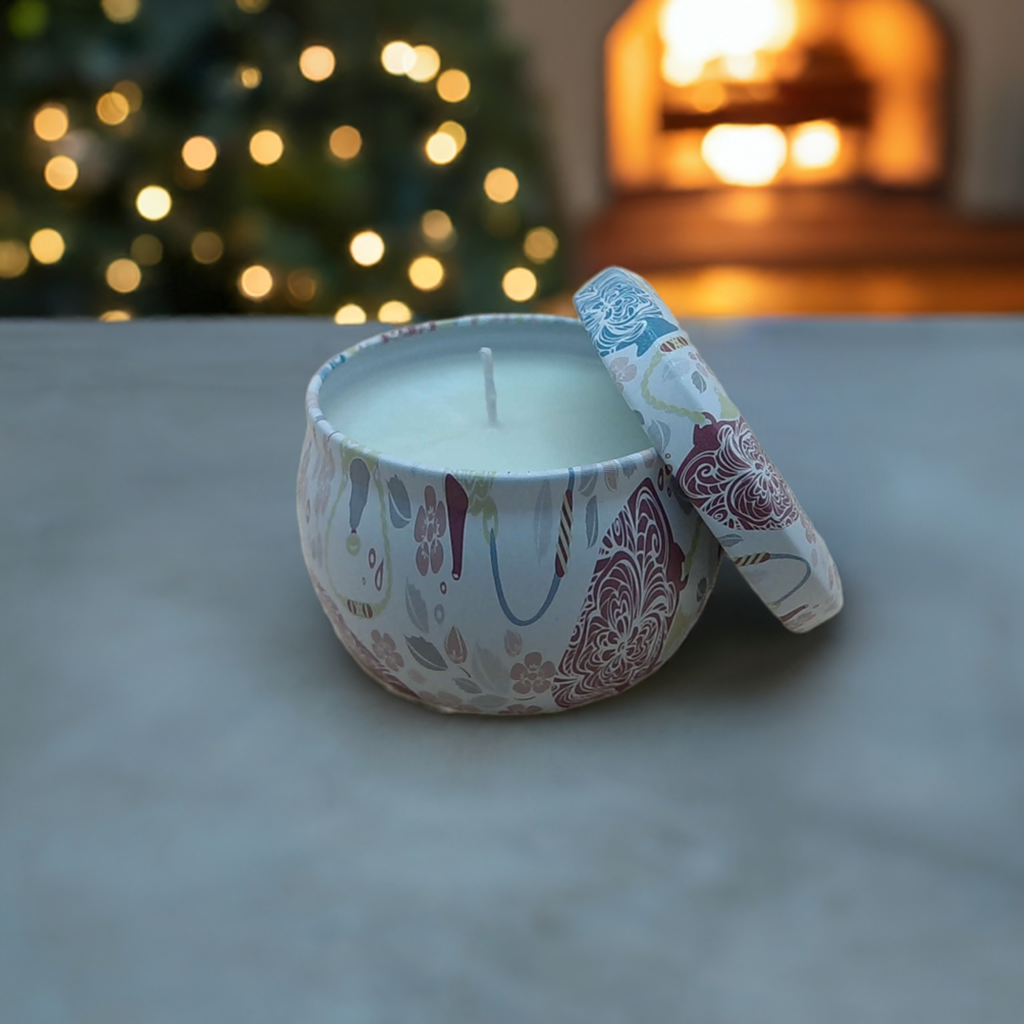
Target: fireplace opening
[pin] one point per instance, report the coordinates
(706, 94)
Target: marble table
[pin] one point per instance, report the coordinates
(207, 814)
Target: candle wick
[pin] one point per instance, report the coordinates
(490, 393)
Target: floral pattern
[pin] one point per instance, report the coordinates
(618, 314)
(431, 523)
(628, 611)
(533, 674)
(622, 371)
(730, 479)
(385, 650)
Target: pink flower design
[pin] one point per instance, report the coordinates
(730, 479)
(385, 651)
(626, 616)
(532, 674)
(431, 523)
(621, 370)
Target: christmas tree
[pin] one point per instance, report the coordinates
(372, 159)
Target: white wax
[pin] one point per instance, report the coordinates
(554, 410)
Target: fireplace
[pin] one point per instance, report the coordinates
(714, 93)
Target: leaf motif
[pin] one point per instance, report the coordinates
(543, 520)
(588, 481)
(468, 685)
(488, 700)
(628, 467)
(417, 608)
(660, 434)
(489, 669)
(611, 476)
(426, 653)
(399, 506)
(729, 540)
(513, 643)
(699, 382)
(591, 522)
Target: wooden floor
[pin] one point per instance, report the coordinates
(813, 251)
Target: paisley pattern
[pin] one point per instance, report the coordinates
(618, 314)
(633, 597)
(730, 479)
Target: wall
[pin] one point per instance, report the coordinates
(564, 40)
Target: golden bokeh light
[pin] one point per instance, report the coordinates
(398, 58)
(708, 96)
(153, 202)
(456, 131)
(540, 244)
(453, 85)
(207, 247)
(745, 154)
(121, 11)
(256, 282)
(14, 258)
(519, 284)
(441, 148)
(345, 142)
(147, 250)
(112, 108)
(303, 284)
(816, 144)
(394, 312)
(124, 275)
(350, 313)
(426, 64)
(367, 248)
(60, 172)
(426, 273)
(131, 92)
(51, 122)
(199, 153)
(252, 6)
(317, 63)
(436, 226)
(266, 147)
(115, 316)
(249, 76)
(501, 185)
(47, 245)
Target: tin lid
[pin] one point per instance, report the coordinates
(710, 451)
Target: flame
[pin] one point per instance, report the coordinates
(696, 32)
(745, 154)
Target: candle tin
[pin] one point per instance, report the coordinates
(497, 593)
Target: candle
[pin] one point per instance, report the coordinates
(556, 405)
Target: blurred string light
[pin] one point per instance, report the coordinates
(266, 147)
(131, 92)
(115, 316)
(317, 63)
(249, 76)
(441, 148)
(14, 258)
(51, 122)
(60, 172)
(207, 247)
(367, 248)
(123, 275)
(519, 284)
(147, 250)
(456, 131)
(350, 313)
(47, 245)
(426, 273)
(303, 285)
(540, 244)
(437, 227)
(153, 202)
(816, 145)
(394, 312)
(345, 142)
(121, 11)
(453, 85)
(256, 282)
(112, 108)
(398, 58)
(426, 65)
(501, 185)
(199, 153)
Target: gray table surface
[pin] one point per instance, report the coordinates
(207, 814)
